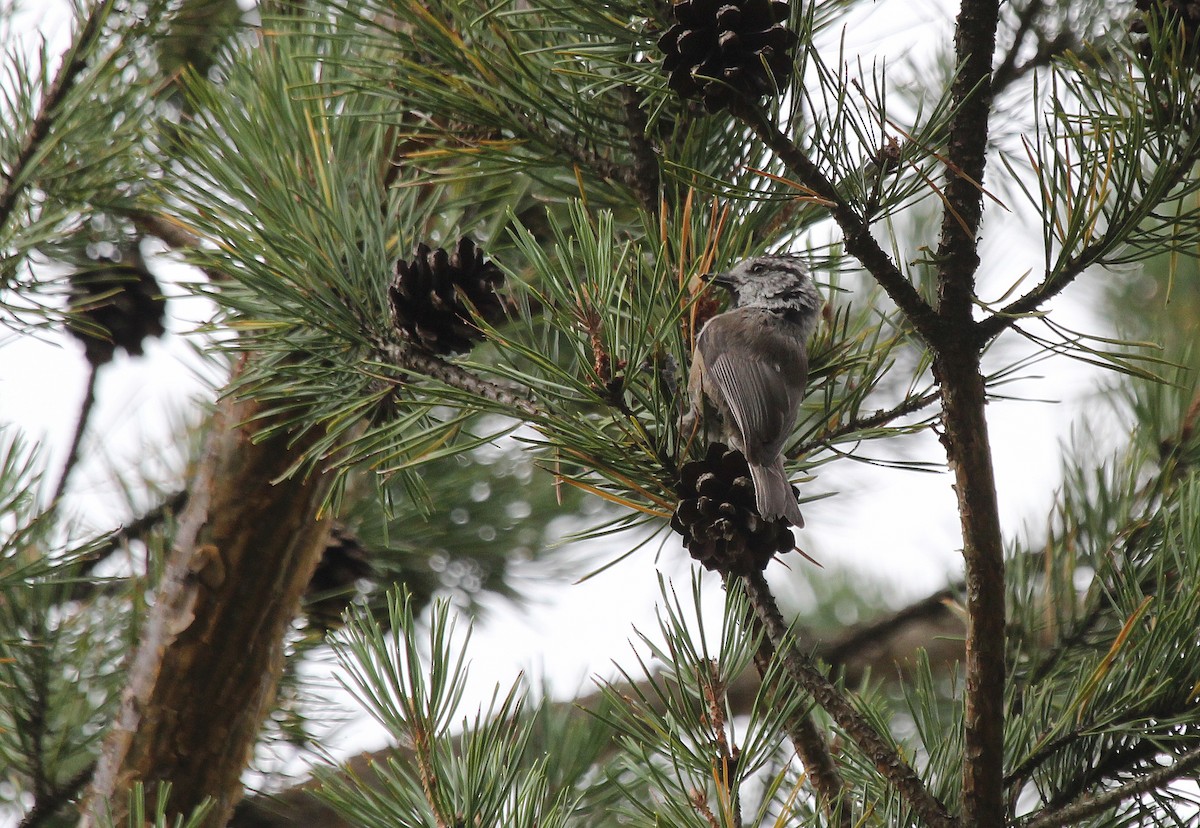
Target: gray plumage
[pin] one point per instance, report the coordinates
(752, 364)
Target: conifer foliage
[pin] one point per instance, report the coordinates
(404, 420)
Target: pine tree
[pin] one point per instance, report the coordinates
(453, 243)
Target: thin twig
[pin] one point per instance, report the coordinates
(74, 61)
(881, 417)
(86, 407)
(807, 675)
(115, 540)
(1046, 290)
(47, 806)
(1006, 72)
(1089, 806)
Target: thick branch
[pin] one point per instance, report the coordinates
(969, 453)
(211, 653)
(1090, 806)
(971, 93)
(808, 676)
(956, 366)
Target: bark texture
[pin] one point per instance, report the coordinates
(211, 653)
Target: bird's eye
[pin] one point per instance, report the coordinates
(757, 267)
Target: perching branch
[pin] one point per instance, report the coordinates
(808, 676)
(810, 744)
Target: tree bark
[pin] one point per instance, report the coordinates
(969, 453)
(212, 650)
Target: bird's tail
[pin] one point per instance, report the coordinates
(774, 493)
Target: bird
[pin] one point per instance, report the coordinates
(751, 363)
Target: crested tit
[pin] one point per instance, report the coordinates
(751, 363)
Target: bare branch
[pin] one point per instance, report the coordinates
(81, 423)
(806, 674)
(455, 376)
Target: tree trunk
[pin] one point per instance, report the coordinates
(211, 653)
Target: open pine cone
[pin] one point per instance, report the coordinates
(432, 297)
(718, 517)
(120, 302)
(721, 51)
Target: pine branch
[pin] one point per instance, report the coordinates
(856, 231)
(966, 157)
(879, 418)
(1090, 806)
(957, 369)
(810, 744)
(74, 61)
(81, 423)
(46, 806)
(931, 608)
(505, 396)
(807, 675)
(1054, 284)
(643, 177)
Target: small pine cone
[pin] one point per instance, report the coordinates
(119, 303)
(723, 51)
(1186, 12)
(334, 583)
(718, 516)
(432, 297)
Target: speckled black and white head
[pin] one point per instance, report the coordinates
(778, 283)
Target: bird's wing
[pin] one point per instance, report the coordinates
(759, 371)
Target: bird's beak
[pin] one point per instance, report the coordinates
(718, 279)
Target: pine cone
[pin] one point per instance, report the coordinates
(718, 516)
(1188, 12)
(1159, 12)
(723, 51)
(334, 583)
(433, 296)
(121, 303)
